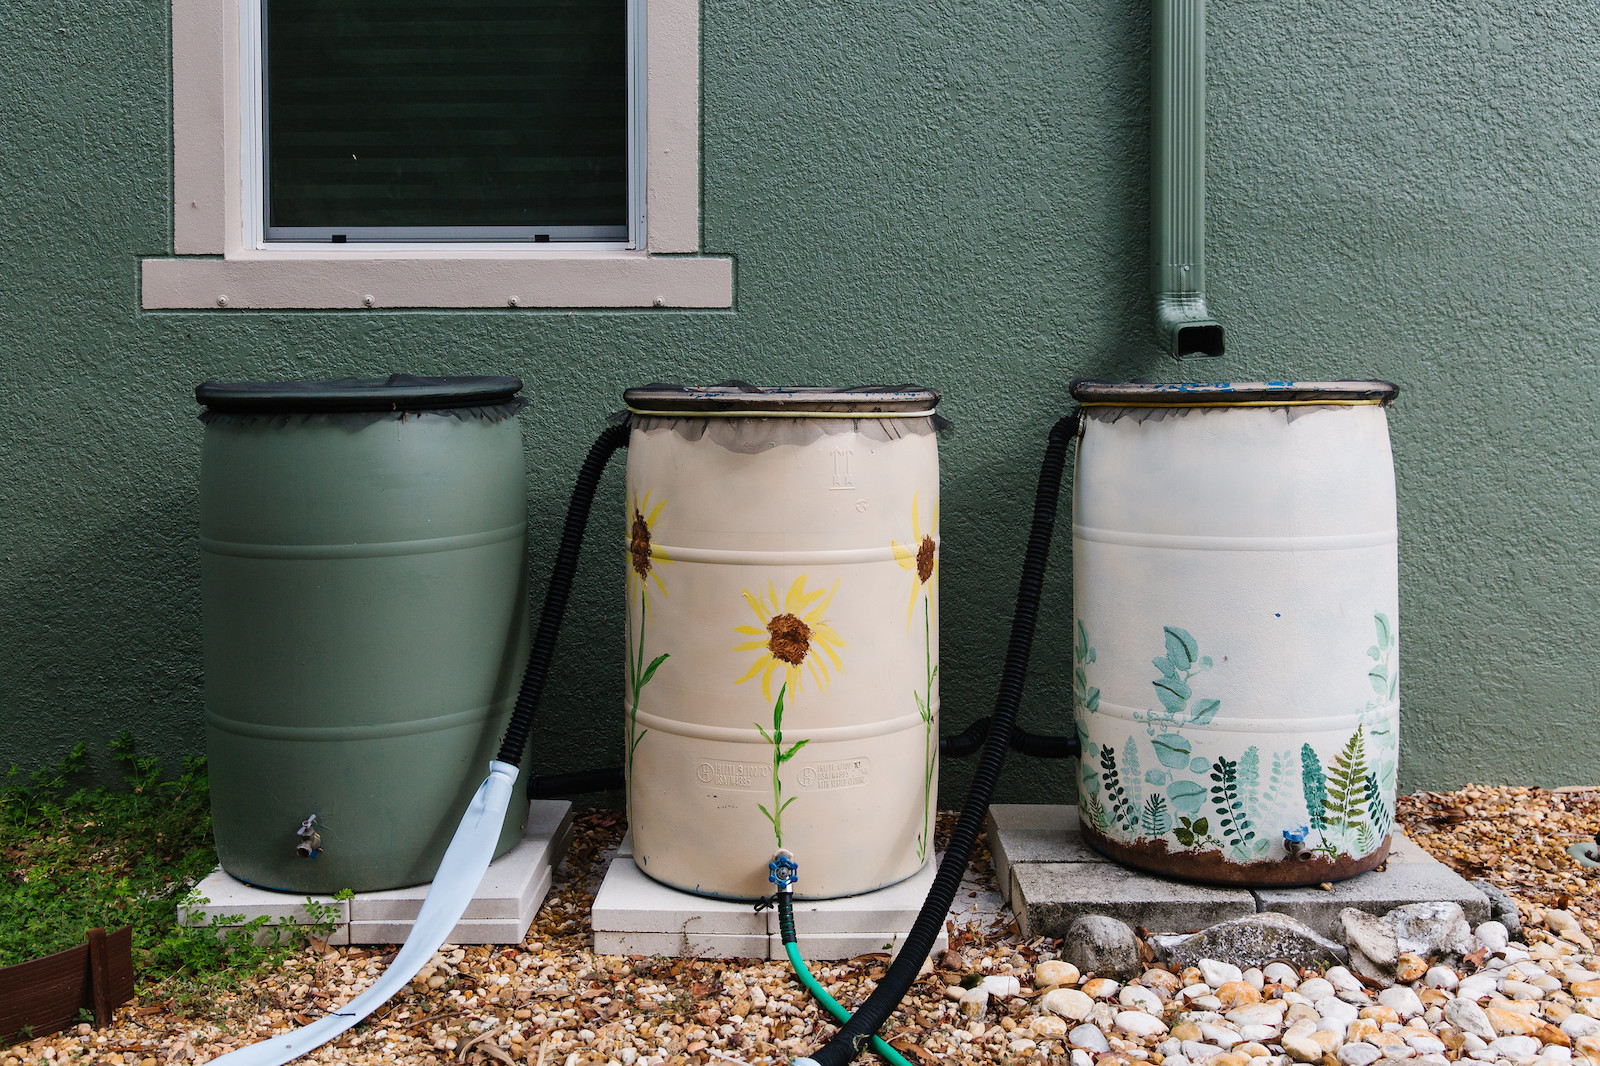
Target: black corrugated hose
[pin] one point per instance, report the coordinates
(559, 589)
(847, 1043)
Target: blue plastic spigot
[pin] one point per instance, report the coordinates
(783, 871)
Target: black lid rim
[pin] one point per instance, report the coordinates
(398, 392)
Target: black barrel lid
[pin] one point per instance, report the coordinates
(397, 392)
(739, 398)
(1230, 394)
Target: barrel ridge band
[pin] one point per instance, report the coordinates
(781, 414)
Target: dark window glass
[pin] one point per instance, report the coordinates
(489, 118)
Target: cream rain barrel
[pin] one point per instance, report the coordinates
(783, 643)
(1236, 656)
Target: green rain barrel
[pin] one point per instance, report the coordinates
(364, 601)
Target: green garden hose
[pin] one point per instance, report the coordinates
(783, 873)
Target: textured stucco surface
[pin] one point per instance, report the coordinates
(949, 193)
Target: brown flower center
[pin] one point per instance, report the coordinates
(925, 560)
(791, 639)
(639, 546)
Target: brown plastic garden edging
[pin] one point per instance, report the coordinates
(46, 995)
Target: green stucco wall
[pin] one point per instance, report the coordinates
(951, 193)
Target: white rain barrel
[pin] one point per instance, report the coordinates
(782, 637)
(1236, 663)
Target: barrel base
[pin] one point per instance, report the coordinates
(1215, 868)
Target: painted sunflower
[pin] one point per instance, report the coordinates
(920, 556)
(643, 554)
(793, 632)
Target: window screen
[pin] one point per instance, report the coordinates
(445, 119)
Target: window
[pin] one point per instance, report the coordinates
(478, 179)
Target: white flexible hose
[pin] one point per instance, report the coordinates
(460, 872)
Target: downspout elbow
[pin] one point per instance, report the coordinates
(1185, 327)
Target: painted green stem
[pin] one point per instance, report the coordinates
(930, 751)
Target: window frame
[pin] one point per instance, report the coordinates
(217, 264)
(252, 70)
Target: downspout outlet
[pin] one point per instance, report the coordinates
(1184, 327)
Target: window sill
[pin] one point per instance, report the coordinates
(446, 278)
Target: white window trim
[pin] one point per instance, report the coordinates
(210, 206)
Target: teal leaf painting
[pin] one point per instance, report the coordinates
(1186, 796)
(1172, 750)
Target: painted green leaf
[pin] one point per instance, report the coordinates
(1172, 750)
(1174, 703)
(1374, 653)
(1204, 710)
(1092, 704)
(1165, 667)
(1157, 778)
(1181, 647)
(1203, 663)
(763, 731)
(1198, 765)
(1174, 686)
(650, 671)
(1384, 634)
(786, 756)
(1202, 826)
(1186, 796)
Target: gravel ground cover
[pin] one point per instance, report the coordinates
(992, 998)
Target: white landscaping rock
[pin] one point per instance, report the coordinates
(1219, 1035)
(1492, 935)
(1090, 1038)
(1468, 1017)
(1261, 1014)
(1478, 986)
(1358, 1054)
(1281, 974)
(1001, 986)
(1217, 974)
(1343, 980)
(1402, 1000)
(1138, 1023)
(1138, 997)
(1441, 977)
(974, 1002)
(1333, 1007)
(1426, 1044)
(1070, 1003)
(1048, 1025)
(1315, 988)
(1261, 1034)
(1515, 1047)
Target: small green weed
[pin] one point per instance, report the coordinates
(76, 858)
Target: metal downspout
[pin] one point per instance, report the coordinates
(1178, 179)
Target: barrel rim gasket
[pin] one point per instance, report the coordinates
(397, 392)
(1233, 394)
(738, 399)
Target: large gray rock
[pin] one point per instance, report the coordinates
(1431, 929)
(1502, 908)
(1256, 940)
(1103, 946)
(1374, 949)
